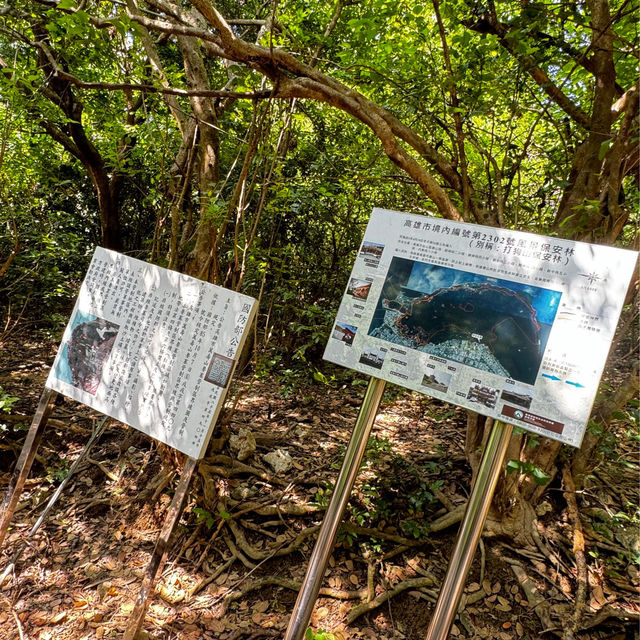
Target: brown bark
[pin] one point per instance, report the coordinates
(294, 79)
(203, 264)
(467, 208)
(73, 137)
(585, 176)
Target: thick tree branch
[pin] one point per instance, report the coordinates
(294, 79)
(277, 64)
(169, 91)
(489, 24)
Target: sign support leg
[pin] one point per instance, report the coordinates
(161, 549)
(328, 532)
(470, 531)
(27, 455)
(97, 432)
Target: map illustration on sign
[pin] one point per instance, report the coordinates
(513, 325)
(488, 323)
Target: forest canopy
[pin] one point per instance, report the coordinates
(245, 143)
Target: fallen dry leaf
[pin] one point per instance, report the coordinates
(217, 626)
(322, 613)
(261, 607)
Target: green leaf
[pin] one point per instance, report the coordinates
(604, 147)
(540, 477)
(513, 466)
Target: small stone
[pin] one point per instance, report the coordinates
(279, 460)
(244, 493)
(243, 443)
(543, 508)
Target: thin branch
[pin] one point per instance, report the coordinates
(489, 24)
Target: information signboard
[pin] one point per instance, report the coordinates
(152, 348)
(512, 325)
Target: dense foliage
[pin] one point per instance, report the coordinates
(249, 149)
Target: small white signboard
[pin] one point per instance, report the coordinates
(152, 348)
(512, 325)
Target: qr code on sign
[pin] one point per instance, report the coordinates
(219, 370)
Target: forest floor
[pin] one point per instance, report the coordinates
(244, 541)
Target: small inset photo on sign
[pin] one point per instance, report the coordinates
(219, 370)
(85, 352)
(436, 380)
(373, 357)
(344, 332)
(359, 288)
(483, 395)
(516, 394)
(371, 252)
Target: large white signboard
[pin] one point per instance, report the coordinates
(152, 348)
(509, 324)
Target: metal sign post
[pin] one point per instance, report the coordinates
(470, 531)
(97, 432)
(161, 549)
(326, 538)
(27, 455)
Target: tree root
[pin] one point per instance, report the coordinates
(236, 553)
(100, 465)
(262, 509)
(448, 519)
(414, 583)
(539, 567)
(51, 422)
(383, 535)
(270, 552)
(227, 467)
(536, 602)
(607, 612)
(209, 579)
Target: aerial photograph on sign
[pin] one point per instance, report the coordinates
(487, 323)
(85, 352)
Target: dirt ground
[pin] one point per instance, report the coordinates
(243, 544)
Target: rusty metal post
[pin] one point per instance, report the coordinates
(161, 550)
(97, 432)
(27, 455)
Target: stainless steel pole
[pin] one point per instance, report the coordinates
(470, 530)
(326, 538)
